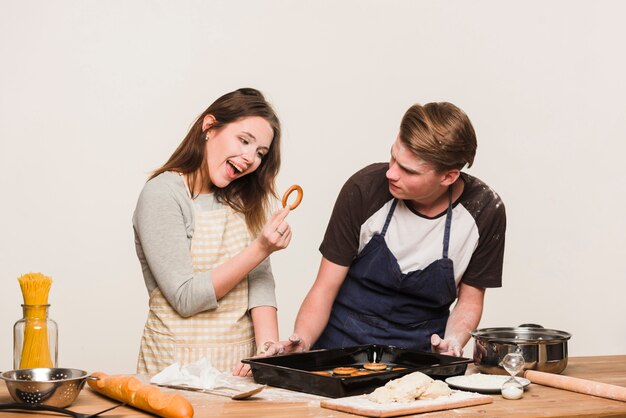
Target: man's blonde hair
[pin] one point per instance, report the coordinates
(440, 134)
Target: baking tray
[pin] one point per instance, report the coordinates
(294, 371)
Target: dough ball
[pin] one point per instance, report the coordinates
(416, 379)
(381, 395)
(436, 389)
(405, 389)
(409, 387)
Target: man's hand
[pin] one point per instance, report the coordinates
(295, 344)
(446, 346)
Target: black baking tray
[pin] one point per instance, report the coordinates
(294, 371)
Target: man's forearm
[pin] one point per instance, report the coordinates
(466, 314)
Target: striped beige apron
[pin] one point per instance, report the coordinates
(224, 335)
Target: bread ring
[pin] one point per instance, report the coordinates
(298, 198)
(360, 373)
(323, 373)
(375, 366)
(344, 371)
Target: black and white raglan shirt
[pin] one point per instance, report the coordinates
(476, 234)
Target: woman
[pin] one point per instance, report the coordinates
(203, 241)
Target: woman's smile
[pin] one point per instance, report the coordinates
(233, 169)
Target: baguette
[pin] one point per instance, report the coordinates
(145, 397)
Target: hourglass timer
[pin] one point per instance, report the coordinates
(513, 363)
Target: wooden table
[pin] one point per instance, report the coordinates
(538, 401)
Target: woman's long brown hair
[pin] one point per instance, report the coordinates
(250, 194)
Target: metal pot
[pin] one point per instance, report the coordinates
(543, 349)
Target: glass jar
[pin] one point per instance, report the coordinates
(35, 339)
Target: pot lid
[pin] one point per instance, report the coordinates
(521, 334)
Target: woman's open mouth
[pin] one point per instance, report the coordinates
(233, 169)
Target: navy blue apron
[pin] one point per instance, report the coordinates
(378, 304)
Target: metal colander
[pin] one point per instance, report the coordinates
(48, 386)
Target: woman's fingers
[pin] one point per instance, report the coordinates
(238, 368)
(242, 370)
(283, 229)
(276, 220)
(277, 232)
(287, 238)
(279, 216)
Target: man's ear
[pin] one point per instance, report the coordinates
(207, 122)
(450, 177)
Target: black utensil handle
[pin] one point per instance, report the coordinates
(105, 410)
(36, 407)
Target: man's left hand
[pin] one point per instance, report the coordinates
(446, 346)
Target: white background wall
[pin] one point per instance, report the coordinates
(96, 94)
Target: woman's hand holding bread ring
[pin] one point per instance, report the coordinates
(276, 233)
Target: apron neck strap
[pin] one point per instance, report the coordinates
(389, 215)
(446, 234)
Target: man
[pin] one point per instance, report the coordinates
(405, 241)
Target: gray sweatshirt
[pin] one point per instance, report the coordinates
(164, 225)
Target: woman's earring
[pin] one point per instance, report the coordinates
(206, 138)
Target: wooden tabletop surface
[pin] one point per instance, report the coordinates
(538, 401)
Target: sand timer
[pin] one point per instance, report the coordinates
(513, 363)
